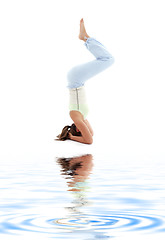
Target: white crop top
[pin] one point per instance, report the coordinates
(77, 100)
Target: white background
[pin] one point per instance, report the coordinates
(39, 44)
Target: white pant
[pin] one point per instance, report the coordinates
(78, 75)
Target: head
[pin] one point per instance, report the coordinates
(66, 130)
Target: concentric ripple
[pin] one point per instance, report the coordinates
(123, 221)
(31, 223)
(38, 223)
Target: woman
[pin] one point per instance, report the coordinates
(81, 130)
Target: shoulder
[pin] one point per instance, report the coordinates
(76, 116)
(78, 119)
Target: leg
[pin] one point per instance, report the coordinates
(89, 127)
(78, 75)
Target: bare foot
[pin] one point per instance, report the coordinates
(83, 32)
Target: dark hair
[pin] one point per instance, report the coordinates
(68, 169)
(65, 132)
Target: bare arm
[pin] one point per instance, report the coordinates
(77, 138)
(89, 126)
(86, 134)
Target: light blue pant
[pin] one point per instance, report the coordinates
(78, 75)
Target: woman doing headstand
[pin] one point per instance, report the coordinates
(81, 130)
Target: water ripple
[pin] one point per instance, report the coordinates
(122, 221)
(69, 199)
(37, 223)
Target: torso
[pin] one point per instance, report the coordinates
(77, 101)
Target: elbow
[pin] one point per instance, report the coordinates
(89, 141)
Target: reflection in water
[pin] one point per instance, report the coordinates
(77, 171)
(97, 218)
(84, 202)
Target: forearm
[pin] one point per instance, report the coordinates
(78, 139)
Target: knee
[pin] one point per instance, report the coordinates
(107, 58)
(110, 60)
